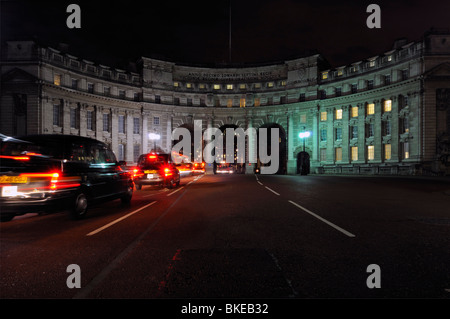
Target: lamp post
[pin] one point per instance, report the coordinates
(303, 136)
(154, 137)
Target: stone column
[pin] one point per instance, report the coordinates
(395, 131)
(345, 135)
(291, 161)
(144, 132)
(378, 136)
(114, 118)
(362, 133)
(330, 135)
(129, 133)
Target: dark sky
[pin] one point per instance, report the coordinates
(197, 31)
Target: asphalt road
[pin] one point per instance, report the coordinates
(242, 236)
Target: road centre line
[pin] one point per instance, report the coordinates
(119, 219)
(272, 191)
(323, 220)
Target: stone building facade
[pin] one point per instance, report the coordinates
(387, 114)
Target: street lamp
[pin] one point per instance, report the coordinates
(154, 137)
(303, 136)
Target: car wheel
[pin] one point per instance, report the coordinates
(80, 206)
(126, 198)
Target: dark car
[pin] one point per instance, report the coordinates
(58, 172)
(155, 169)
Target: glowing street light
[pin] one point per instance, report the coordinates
(303, 136)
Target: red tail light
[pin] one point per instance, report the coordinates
(17, 158)
(167, 172)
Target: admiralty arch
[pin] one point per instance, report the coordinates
(386, 114)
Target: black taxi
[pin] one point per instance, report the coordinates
(58, 172)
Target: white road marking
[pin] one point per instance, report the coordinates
(260, 183)
(272, 191)
(179, 189)
(323, 220)
(118, 220)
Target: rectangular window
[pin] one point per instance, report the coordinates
(89, 120)
(323, 154)
(121, 94)
(156, 120)
(338, 154)
(90, 87)
(370, 84)
(406, 150)
(370, 109)
(338, 91)
(387, 151)
(370, 130)
(303, 118)
(338, 133)
(324, 75)
(370, 152)
(387, 106)
(242, 102)
(57, 79)
(387, 79)
(257, 101)
(189, 86)
(230, 103)
(242, 86)
(354, 151)
(354, 111)
(57, 114)
(106, 122)
(121, 123)
(323, 116)
(354, 132)
(387, 127)
(106, 90)
(176, 84)
(323, 135)
(216, 86)
(136, 152)
(338, 114)
(270, 85)
(405, 124)
(121, 152)
(136, 125)
(354, 88)
(229, 86)
(73, 118)
(74, 84)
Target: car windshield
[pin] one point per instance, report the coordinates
(153, 165)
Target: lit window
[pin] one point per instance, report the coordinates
(324, 75)
(387, 105)
(338, 153)
(270, 84)
(283, 83)
(242, 102)
(257, 101)
(216, 86)
(189, 85)
(389, 58)
(339, 114)
(372, 63)
(387, 151)
(370, 152)
(242, 86)
(340, 72)
(354, 111)
(406, 150)
(176, 84)
(202, 86)
(354, 151)
(257, 85)
(229, 102)
(57, 79)
(303, 118)
(229, 86)
(323, 116)
(370, 108)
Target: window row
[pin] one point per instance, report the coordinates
(228, 87)
(91, 120)
(369, 152)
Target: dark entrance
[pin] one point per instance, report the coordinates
(303, 163)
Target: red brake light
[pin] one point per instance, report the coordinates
(18, 158)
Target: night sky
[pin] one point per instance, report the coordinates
(197, 32)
